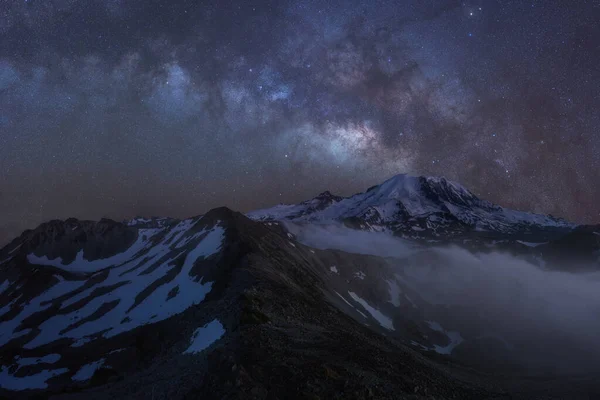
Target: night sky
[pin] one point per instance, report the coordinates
(117, 108)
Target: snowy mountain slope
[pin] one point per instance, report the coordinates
(416, 205)
(67, 306)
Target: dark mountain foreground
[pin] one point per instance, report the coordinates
(415, 289)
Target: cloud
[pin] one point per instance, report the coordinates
(337, 236)
(548, 318)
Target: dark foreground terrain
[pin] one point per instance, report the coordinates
(227, 307)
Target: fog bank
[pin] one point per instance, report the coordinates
(546, 320)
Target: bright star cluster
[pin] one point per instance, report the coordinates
(119, 108)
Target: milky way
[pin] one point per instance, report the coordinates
(118, 108)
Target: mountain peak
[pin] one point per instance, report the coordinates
(326, 193)
(221, 214)
(407, 185)
(422, 194)
(328, 197)
(414, 203)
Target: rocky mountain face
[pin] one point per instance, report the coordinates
(331, 298)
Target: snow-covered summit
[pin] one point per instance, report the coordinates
(413, 202)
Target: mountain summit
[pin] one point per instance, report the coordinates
(407, 204)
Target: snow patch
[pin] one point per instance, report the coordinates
(531, 244)
(394, 293)
(454, 337)
(40, 303)
(420, 345)
(383, 320)
(347, 302)
(82, 265)
(360, 275)
(122, 317)
(205, 336)
(334, 269)
(87, 371)
(139, 220)
(455, 340)
(4, 285)
(435, 326)
(47, 359)
(6, 260)
(36, 381)
(80, 342)
(180, 230)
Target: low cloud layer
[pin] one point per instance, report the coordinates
(544, 321)
(550, 320)
(339, 237)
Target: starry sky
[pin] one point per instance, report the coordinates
(117, 108)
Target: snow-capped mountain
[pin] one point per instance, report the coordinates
(417, 206)
(336, 301)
